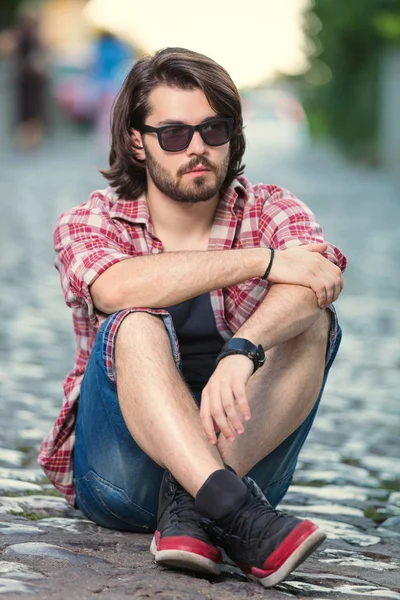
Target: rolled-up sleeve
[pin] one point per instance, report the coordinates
(286, 221)
(87, 244)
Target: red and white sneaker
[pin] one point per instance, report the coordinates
(180, 541)
(265, 543)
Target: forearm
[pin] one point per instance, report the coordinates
(162, 280)
(286, 312)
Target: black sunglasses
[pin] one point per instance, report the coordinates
(174, 138)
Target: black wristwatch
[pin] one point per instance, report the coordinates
(246, 348)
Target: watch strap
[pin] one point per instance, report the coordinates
(245, 348)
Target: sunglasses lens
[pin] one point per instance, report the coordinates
(175, 138)
(216, 133)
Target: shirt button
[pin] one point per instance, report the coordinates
(155, 251)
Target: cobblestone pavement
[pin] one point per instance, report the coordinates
(348, 478)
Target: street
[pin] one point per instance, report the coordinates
(348, 478)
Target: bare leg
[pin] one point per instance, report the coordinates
(165, 422)
(281, 395)
(157, 405)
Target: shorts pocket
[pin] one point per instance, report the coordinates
(109, 506)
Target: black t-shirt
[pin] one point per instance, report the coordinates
(198, 337)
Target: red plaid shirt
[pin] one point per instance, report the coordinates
(92, 237)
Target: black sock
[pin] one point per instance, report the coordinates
(230, 468)
(219, 494)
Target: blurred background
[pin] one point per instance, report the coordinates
(320, 83)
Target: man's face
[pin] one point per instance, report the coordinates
(178, 174)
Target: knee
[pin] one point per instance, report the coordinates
(141, 327)
(316, 336)
(318, 332)
(143, 334)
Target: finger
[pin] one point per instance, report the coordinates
(330, 296)
(239, 391)
(318, 286)
(338, 290)
(216, 428)
(229, 404)
(319, 247)
(329, 277)
(206, 419)
(337, 286)
(332, 276)
(225, 428)
(217, 411)
(330, 291)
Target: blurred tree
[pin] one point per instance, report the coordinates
(345, 42)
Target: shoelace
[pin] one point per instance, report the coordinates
(183, 505)
(242, 529)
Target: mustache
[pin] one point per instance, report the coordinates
(195, 162)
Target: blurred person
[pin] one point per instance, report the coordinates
(29, 77)
(111, 57)
(202, 308)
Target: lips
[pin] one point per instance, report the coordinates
(199, 170)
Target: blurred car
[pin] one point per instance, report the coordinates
(275, 118)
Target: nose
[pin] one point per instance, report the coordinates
(196, 146)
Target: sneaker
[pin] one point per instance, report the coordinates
(265, 543)
(180, 541)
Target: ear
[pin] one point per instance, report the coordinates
(137, 144)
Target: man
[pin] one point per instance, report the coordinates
(169, 275)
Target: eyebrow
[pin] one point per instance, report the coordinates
(178, 122)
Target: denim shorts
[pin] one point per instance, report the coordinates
(117, 484)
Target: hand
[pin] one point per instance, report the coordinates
(224, 404)
(305, 265)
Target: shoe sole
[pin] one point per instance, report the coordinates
(181, 559)
(302, 552)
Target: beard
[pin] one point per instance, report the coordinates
(198, 189)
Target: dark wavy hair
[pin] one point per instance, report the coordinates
(176, 67)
